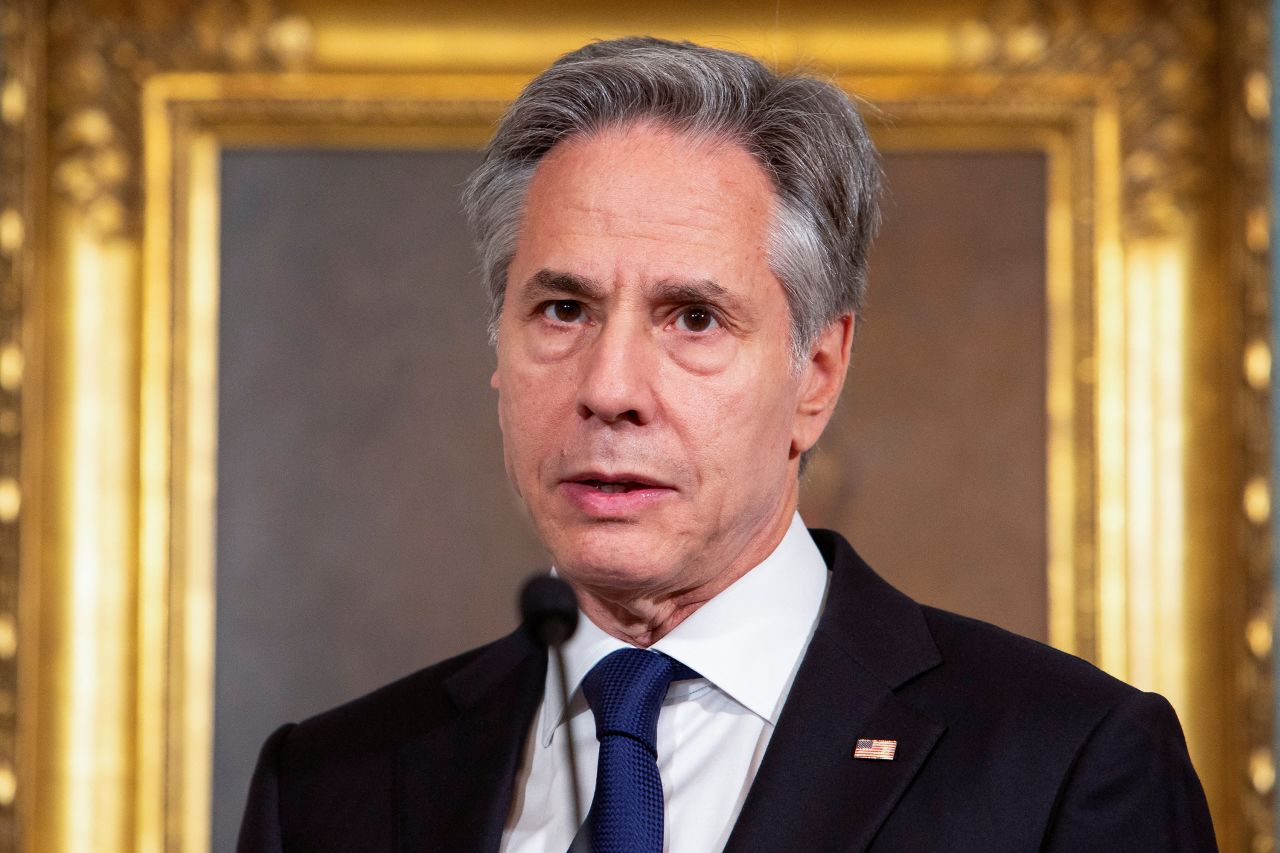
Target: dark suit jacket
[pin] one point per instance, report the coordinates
(1003, 744)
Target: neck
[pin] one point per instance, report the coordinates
(644, 620)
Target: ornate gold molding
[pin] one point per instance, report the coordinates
(20, 163)
(1158, 60)
(103, 52)
(1247, 218)
(100, 775)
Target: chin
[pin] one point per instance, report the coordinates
(622, 559)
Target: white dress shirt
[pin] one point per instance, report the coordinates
(747, 644)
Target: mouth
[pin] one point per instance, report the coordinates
(614, 495)
(614, 487)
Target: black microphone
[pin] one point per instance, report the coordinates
(549, 610)
(549, 614)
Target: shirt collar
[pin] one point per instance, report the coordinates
(747, 641)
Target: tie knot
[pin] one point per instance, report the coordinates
(625, 691)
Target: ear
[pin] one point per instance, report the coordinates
(820, 384)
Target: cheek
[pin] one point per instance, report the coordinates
(734, 427)
(509, 438)
(529, 410)
(756, 426)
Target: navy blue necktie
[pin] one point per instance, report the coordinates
(625, 692)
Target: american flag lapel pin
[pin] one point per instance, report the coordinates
(881, 750)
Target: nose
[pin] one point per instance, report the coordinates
(616, 384)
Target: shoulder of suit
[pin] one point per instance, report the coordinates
(397, 711)
(1003, 673)
(981, 672)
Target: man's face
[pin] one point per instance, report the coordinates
(651, 415)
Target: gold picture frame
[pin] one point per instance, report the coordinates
(1154, 121)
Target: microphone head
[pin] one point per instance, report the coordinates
(549, 610)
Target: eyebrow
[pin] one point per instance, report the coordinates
(703, 290)
(546, 283)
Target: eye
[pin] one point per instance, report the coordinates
(563, 311)
(696, 318)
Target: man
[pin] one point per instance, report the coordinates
(675, 241)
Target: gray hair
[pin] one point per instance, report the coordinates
(804, 132)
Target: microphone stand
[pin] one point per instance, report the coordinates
(582, 838)
(549, 611)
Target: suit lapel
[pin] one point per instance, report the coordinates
(870, 641)
(454, 783)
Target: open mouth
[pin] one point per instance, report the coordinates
(611, 487)
(613, 495)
